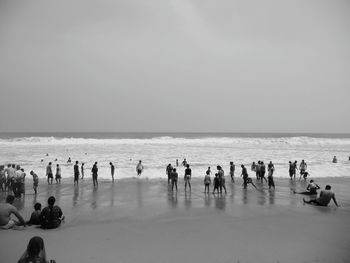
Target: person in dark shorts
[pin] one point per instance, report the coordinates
(311, 188)
(216, 183)
(246, 179)
(262, 171)
(221, 178)
(94, 172)
(35, 181)
(112, 170)
(232, 171)
(270, 181)
(324, 199)
(49, 173)
(187, 176)
(169, 171)
(51, 216)
(82, 170)
(139, 168)
(58, 174)
(174, 178)
(76, 173)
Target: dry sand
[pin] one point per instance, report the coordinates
(142, 221)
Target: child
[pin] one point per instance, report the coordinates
(35, 181)
(35, 217)
(216, 183)
(207, 181)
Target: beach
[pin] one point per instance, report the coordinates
(140, 220)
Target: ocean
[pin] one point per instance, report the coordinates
(33, 151)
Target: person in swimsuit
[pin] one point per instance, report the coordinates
(58, 174)
(169, 171)
(302, 168)
(112, 170)
(139, 168)
(6, 210)
(311, 189)
(82, 170)
(232, 171)
(49, 173)
(76, 173)
(221, 178)
(207, 182)
(174, 178)
(187, 176)
(324, 199)
(94, 171)
(35, 181)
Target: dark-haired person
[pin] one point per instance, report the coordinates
(76, 173)
(58, 174)
(35, 181)
(139, 168)
(221, 178)
(94, 172)
(35, 216)
(174, 178)
(324, 199)
(187, 176)
(112, 170)
(49, 173)
(6, 210)
(35, 252)
(311, 189)
(232, 171)
(51, 216)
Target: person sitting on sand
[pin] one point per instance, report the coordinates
(94, 171)
(174, 178)
(6, 210)
(139, 168)
(51, 216)
(35, 252)
(324, 199)
(335, 160)
(35, 216)
(35, 181)
(207, 182)
(311, 188)
(187, 176)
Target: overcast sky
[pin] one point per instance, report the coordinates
(175, 65)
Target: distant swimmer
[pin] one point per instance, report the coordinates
(187, 176)
(49, 173)
(324, 199)
(94, 172)
(112, 170)
(335, 160)
(76, 173)
(56, 160)
(47, 154)
(58, 174)
(232, 171)
(42, 160)
(6, 210)
(311, 189)
(139, 168)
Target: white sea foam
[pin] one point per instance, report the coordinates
(157, 152)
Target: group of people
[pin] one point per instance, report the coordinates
(48, 218)
(12, 179)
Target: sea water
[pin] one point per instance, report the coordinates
(33, 151)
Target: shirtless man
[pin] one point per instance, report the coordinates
(311, 189)
(325, 198)
(6, 209)
(302, 168)
(139, 168)
(49, 173)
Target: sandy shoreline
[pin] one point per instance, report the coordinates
(136, 220)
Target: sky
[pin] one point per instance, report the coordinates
(175, 66)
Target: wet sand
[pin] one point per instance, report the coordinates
(137, 220)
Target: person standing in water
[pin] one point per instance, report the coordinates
(76, 173)
(174, 178)
(82, 170)
(58, 174)
(302, 168)
(207, 182)
(35, 181)
(94, 171)
(112, 170)
(221, 178)
(169, 171)
(187, 177)
(139, 168)
(49, 173)
(232, 171)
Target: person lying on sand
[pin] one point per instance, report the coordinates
(325, 198)
(6, 210)
(311, 189)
